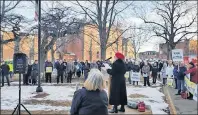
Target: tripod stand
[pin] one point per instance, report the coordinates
(18, 107)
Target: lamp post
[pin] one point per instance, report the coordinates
(39, 88)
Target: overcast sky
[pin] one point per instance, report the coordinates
(27, 8)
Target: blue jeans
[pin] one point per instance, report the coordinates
(181, 85)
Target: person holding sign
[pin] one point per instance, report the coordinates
(118, 94)
(136, 71)
(48, 71)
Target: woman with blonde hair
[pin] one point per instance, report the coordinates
(91, 99)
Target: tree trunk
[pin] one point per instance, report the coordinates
(52, 55)
(135, 54)
(17, 46)
(103, 53)
(90, 51)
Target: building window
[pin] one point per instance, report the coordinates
(97, 54)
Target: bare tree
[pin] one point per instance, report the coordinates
(5, 9)
(56, 23)
(171, 14)
(137, 38)
(103, 18)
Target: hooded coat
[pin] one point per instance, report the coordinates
(118, 94)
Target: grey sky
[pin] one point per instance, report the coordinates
(27, 8)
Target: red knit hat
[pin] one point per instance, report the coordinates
(119, 55)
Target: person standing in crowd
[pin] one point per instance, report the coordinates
(78, 67)
(60, 69)
(5, 73)
(118, 94)
(141, 66)
(146, 73)
(83, 65)
(164, 75)
(180, 78)
(92, 98)
(27, 76)
(129, 68)
(34, 73)
(154, 72)
(160, 65)
(86, 69)
(169, 72)
(48, 71)
(69, 72)
(136, 69)
(192, 70)
(65, 66)
(175, 73)
(11, 70)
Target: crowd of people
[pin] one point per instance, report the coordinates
(92, 98)
(60, 69)
(92, 95)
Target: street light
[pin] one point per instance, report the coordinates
(39, 88)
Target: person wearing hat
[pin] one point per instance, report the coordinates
(118, 94)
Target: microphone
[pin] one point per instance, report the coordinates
(108, 59)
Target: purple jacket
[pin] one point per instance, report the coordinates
(89, 102)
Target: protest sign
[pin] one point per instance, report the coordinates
(135, 76)
(49, 70)
(177, 55)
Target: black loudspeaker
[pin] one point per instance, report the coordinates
(20, 63)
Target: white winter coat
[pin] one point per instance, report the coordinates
(169, 71)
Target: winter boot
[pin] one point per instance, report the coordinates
(179, 92)
(114, 110)
(121, 109)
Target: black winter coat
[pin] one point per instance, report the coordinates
(5, 69)
(181, 73)
(89, 102)
(118, 94)
(60, 68)
(136, 68)
(154, 71)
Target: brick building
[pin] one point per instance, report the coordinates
(26, 43)
(85, 46)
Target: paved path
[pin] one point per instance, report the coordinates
(182, 106)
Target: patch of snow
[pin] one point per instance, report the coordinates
(9, 97)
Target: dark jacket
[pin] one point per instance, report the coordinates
(175, 72)
(160, 66)
(60, 68)
(154, 71)
(193, 74)
(89, 102)
(5, 69)
(34, 72)
(118, 94)
(136, 68)
(29, 70)
(181, 73)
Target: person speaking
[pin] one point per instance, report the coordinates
(118, 94)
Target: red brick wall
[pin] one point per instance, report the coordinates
(75, 46)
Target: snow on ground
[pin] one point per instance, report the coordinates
(9, 97)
